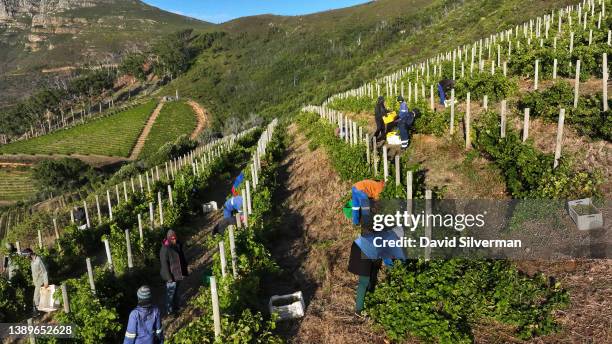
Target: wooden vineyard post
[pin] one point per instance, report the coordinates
(427, 223)
(431, 97)
(468, 139)
(238, 221)
(215, 305)
(526, 125)
(86, 214)
(151, 215)
(55, 229)
(222, 257)
(368, 151)
(117, 193)
(577, 84)
(71, 215)
(485, 102)
(409, 192)
(110, 206)
(160, 208)
(109, 257)
(503, 119)
(248, 199)
(554, 76)
(605, 81)
(140, 234)
(535, 82)
(129, 249)
(397, 170)
(452, 112)
(375, 156)
(170, 195)
(40, 244)
(92, 284)
(559, 140)
(244, 208)
(385, 163)
(125, 193)
(98, 208)
(31, 336)
(233, 251)
(65, 300)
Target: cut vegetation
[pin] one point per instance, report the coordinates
(110, 136)
(174, 120)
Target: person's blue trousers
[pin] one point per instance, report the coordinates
(404, 133)
(361, 205)
(441, 94)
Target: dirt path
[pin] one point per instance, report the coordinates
(201, 115)
(145, 132)
(313, 251)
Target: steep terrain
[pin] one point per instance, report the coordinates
(43, 39)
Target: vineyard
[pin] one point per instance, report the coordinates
(109, 136)
(527, 122)
(176, 119)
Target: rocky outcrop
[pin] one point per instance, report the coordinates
(11, 9)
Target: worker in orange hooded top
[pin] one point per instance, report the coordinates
(361, 193)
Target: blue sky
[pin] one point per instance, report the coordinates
(218, 11)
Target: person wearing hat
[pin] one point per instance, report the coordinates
(144, 324)
(39, 276)
(380, 110)
(173, 268)
(367, 269)
(361, 193)
(406, 118)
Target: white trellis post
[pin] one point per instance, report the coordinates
(215, 306)
(233, 251)
(559, 140)
(537, 68)
(385, 163)
(86, 214)
(222, 257)
(452, 112)
(526, 125)
(92, 284)
(98, 208)
(397, 170)
(109, 257)
(503, 119)
(110, 206)
(577, 84)
(605, 78)
(129, 249)
(468, 139)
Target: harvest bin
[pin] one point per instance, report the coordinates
(290, 306)
(584, 214)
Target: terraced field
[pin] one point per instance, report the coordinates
(15, 184)
(110, 136)
(175, 119)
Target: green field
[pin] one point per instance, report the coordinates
(175, 119)
(110, 136)
(15, 184)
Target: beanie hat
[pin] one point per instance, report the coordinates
(400, 99)
(171, 233)
(144, 293)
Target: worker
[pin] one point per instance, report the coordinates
(231, 206)
(173, 269)
(237, 183)
(379, 112)
(406, 118)
(366, 267)
(144, 324)
(223, 224)
(445, 86)
(9, 265)
(39, 276)
(361, 193)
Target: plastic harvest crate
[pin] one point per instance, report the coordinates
(585, 222)
(292, 305)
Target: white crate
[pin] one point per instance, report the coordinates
(585, 222)
(293, 309)
(209, 207)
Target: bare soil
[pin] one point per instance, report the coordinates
(202, 116)
(145, 132)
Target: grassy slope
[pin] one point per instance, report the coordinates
(274, 64)
(111, 136)
(175, 119)
(15, 184)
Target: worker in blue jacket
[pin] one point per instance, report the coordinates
(406, 118)
(231, 206)
(144, 324)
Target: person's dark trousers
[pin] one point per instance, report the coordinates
(404, 134)
(380, 129)
(442, 94)
(172, 297)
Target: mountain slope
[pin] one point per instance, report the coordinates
(273, 65)
(40, 38)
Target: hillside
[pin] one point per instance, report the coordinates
(40, 39)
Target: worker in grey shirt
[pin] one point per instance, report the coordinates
(39, 276)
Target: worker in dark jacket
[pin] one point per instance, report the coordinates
(406, 118)
(173, 269)
(361, 193)
(445, 86)
(144, 324)
(367, 270)
(380, 110)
